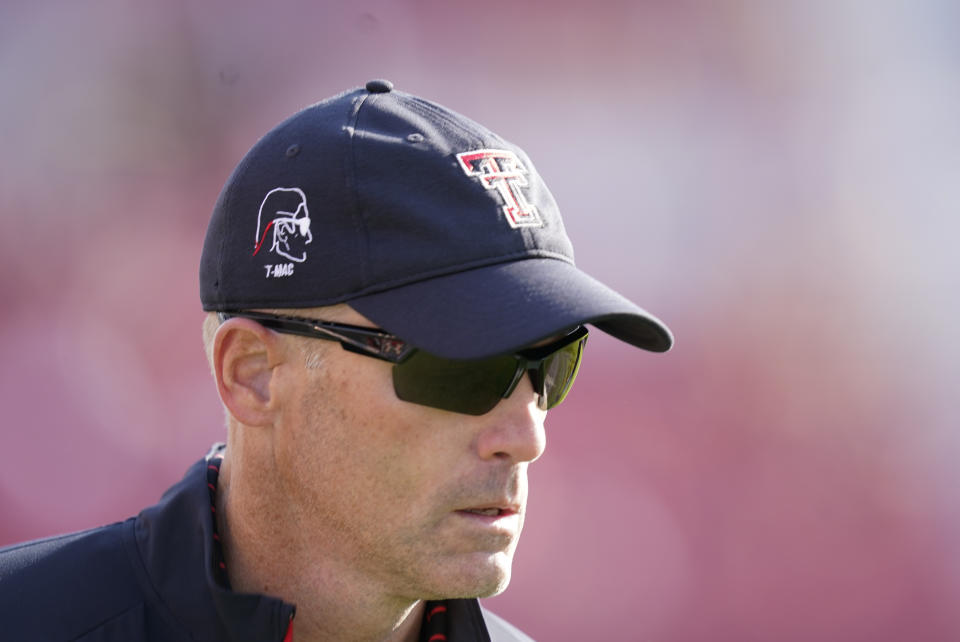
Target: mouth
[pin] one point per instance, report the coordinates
(492, 511)
(489, 512)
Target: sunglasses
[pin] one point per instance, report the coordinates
(469, 386)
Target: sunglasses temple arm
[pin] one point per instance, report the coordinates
(351, 345)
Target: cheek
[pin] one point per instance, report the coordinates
(359, 454)
(399, 457)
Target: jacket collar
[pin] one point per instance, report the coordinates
(175, 541)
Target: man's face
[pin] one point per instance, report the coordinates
(426, 503)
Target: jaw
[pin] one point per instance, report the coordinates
(468, 576)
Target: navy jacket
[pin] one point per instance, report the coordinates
(151, 578)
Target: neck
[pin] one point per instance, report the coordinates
(266, 553)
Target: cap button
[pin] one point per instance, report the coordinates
(379, 86)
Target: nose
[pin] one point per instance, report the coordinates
(514, 429)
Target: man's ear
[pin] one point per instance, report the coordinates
(244, 357)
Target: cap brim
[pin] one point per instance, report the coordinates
(501, 308)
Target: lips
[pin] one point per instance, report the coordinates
(497, 499)
(487, 512)
(497, 522)
(495, 509)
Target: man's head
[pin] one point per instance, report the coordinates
(425, 502)
(437, 259)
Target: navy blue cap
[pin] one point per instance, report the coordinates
(430, 225)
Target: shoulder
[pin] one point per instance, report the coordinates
(62, 587)
(502, 631)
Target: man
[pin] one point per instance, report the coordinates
(392, 309)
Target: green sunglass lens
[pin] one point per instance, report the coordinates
(475, 387)
(559, 372)
(470, 387)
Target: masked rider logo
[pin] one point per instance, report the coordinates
(284, 218)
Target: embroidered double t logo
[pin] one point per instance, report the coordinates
(501, 170)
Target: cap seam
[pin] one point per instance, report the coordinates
(425, 109)
(350, 177)
(393, 284)
(465, 267)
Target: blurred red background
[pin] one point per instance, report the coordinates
(776, 180)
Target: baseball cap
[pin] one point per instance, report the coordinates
(427, 223)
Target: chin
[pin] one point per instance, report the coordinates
(495, 589)
(473, 578)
